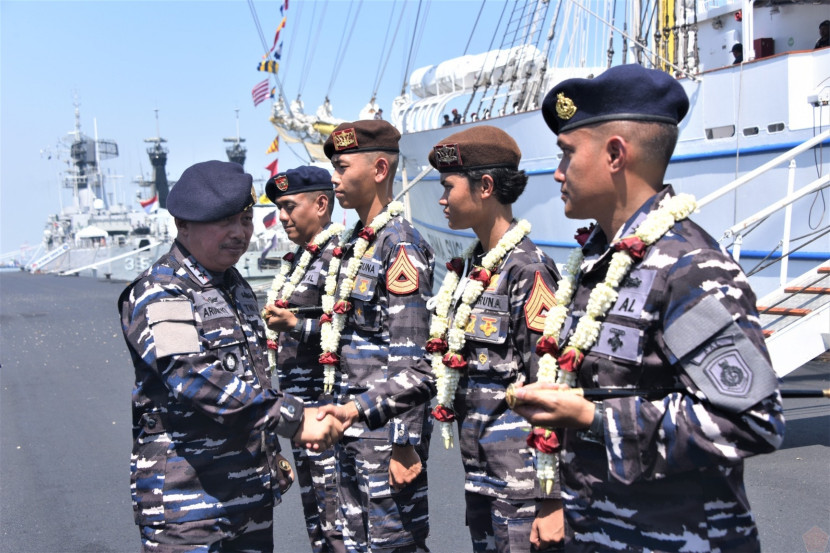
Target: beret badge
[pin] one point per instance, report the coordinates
(344, 139)
(282, 183)
(253, 197)
(565, 107)
(447, 155)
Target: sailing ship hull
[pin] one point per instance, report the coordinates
(704, 161)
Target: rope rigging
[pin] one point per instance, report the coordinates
(341, 52)
(382, 68)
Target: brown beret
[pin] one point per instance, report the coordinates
(481, 147)
(369, 135)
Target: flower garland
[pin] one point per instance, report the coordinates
(561, 367)
(445, 343)
(334, 312)
(283, 286)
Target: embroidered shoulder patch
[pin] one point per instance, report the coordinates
(538, 304)
(402, 276)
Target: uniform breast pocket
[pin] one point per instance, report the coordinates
(367, 316)
(227, 343)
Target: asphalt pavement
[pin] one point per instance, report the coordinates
(65, 438)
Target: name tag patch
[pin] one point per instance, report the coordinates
(211, 305)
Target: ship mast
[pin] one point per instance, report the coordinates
(158, 158)
(236, 151)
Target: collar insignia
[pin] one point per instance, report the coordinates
(344, 139)
(565, 107)
(447, 155)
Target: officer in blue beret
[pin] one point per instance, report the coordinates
(655, 305)
(305, 198)
(205, 468)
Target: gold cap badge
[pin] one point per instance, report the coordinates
(565, 107)
(344, 139)
(282, 183)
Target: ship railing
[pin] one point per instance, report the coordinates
(110, 259)
(736, 231)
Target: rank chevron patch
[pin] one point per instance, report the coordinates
(538, 304)
(402, 276)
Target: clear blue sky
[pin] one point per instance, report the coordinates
(194, 61)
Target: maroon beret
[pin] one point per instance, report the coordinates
(481, 147)
(368, 135)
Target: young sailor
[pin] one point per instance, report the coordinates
(305, 197)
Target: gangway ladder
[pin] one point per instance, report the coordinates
(47, 258)
(796, 320)
(796, 317)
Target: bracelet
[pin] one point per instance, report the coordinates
(361, 416)
(597, 427)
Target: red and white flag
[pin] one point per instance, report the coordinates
(260, 92)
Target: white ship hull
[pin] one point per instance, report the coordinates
(770, 95)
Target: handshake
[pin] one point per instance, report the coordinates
(323, 427)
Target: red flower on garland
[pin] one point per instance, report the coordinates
(329, 358)
(635, 247)
(546, 344)
(480, 274)
(456, 264)
(437, 345)
(337, 252)
(281, 304)
(342, 307)
(543, 440)
(571, 359)
(313, 249)
(325, 318)
(272, 344)
(367, 234)
(443, 414)
(582, 234)
(455, 361)
(289, 257)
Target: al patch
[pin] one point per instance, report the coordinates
(402, 276)
(633, 292)
(536, 308)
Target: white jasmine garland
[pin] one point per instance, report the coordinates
(657, 223)
(447, 378)
(330, 332)
(283, 286)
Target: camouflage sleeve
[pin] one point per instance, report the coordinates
(531, 297)
(161, 329)
(408, 385)
(731, 408)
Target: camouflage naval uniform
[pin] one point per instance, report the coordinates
(666, 474)
(301, 375)
(204, 427)
(381, 347)
(501, 487)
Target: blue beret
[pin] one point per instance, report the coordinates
(624, 92)
(367, 135)
(305, 178)
(210, 191)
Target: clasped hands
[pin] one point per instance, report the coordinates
(279, 319)
(553, 406)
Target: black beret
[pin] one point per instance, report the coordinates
(624, 92)
(481, 147)
(210, 191)
(305, 178)
(368, 135)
